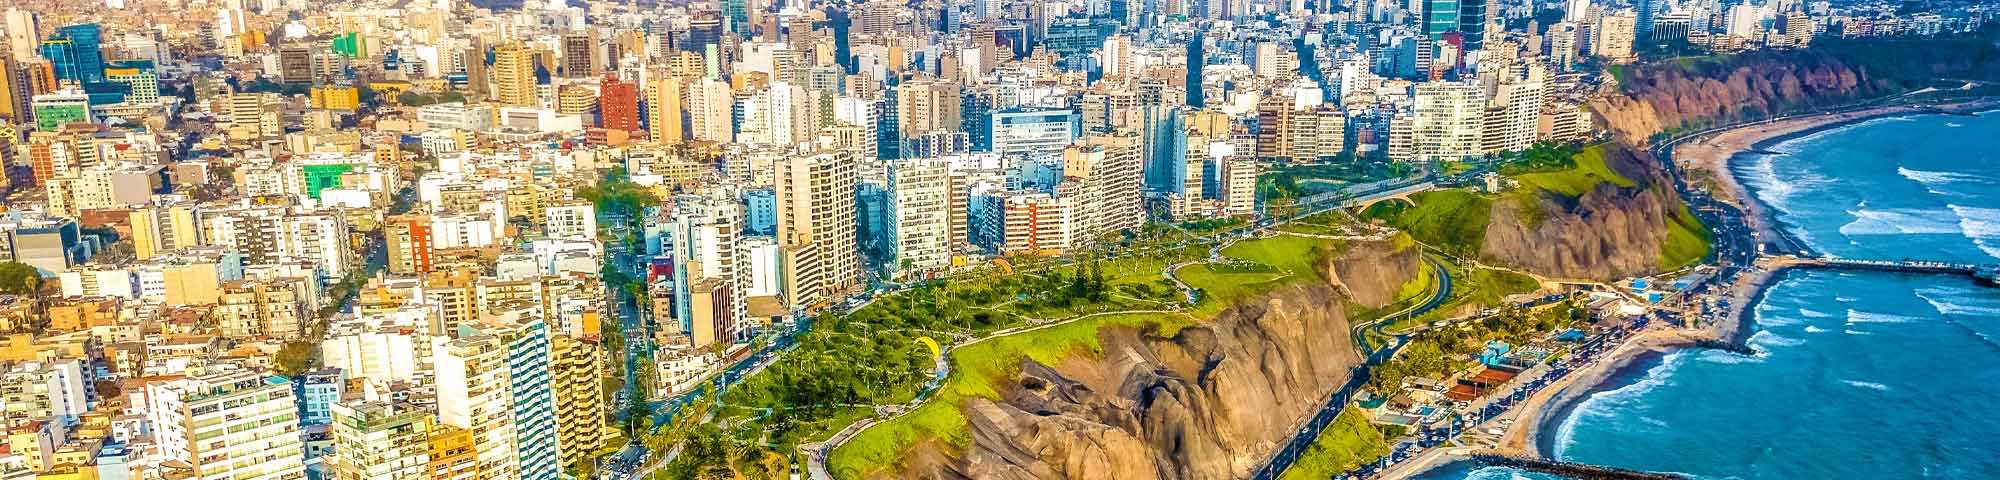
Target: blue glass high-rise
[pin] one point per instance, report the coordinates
(74, 53)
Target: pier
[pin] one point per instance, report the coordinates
(1571, 470)
(1988, 275)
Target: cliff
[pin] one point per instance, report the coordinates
(1688, 93)
(1607, 232)
(1211, 401)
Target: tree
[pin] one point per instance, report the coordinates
(297, 357)
(18, 278)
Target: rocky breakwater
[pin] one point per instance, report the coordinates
(1612, 230)
(1210, 401)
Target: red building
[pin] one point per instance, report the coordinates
(618, 103)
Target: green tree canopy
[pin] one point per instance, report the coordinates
(19, 278)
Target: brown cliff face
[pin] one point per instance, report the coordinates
(1607, 233)
(1210, 402)
(1671, 94)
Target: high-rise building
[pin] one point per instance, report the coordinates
(75, 55)
(473, 393)
(22, 34)
(1513, 112)
(1472, 23)
(13, 91)
(39, 390)
(920, 216)
(1037, 134)
(816, 229)
(1446, 120)
(532, 400)
(381, 440)
(1565, 43)
(295, 64)
(1440, 16)
(926, 105)
(514, 76)
(1037, 223)
(1117, 57)
(709, 104)
(664, 110)
(579, 59)
(1110, 164)
(704, 233)
(618, 104)
(577, 365)
(1237, 179)
(1615, 35)
(237, 425)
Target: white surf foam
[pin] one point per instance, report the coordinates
(1857, 316)
(1980, 224)
(1810, 313)
(1868, 385)
(1607, 404)
(1902, 221)
(1952, 301)
(1726, 358)
(1813, 329)
(1977, 222)
(1778, 190)
(1939, 178)
(1767, 339)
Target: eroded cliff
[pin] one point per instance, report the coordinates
(1210, 401)
(1694, 93)
(1608, 232)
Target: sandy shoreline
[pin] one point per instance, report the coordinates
(1715, 155)
(1543, 413)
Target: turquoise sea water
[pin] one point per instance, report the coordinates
(1860, 375)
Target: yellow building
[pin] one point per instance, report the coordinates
(336, 97)
(576, 368)
(513, 73)
(576, 100)
(452, 454)
(191, 283)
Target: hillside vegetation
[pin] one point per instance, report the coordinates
(1598, 211)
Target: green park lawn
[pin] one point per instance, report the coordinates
(1452, 220)
(1588, 170)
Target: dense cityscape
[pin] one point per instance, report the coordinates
(635, 239)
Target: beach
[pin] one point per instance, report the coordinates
(1709, 156)
(1706, 159)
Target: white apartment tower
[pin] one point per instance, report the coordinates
(1446, 121)
(816, 232)
(238, 425)
(920, 215)
(473, 394)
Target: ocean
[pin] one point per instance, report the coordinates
(1859, 375)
